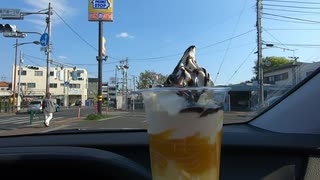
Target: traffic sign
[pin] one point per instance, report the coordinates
(66, 83)
(10, 13)
(44, 39)
(14, 35)
(43, 48)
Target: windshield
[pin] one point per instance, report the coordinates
(35, 102)
(258, 51)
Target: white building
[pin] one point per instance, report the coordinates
(289, 74)
(66, 85)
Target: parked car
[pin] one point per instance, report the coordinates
(35, 105)
(271, 100)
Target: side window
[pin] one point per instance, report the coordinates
(31, 85)
(23, 72)
(38, 73)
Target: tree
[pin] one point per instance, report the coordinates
(272, 62)
(149, 78)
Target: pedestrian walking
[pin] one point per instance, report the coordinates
(48, 109)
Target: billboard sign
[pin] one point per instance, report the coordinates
(100, 10)
(10, 14)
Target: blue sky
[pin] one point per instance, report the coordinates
(154, 34)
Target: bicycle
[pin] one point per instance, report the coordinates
(36, 116)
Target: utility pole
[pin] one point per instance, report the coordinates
(15, 76)
(116, 85)
(126, 69)
(295, 70)
(123, 90)
(49, 22)
(260, 63)
(19, 80)
(134, 90)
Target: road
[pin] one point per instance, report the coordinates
(20, 120)
(116, 120)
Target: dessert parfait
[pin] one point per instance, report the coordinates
(185, 118)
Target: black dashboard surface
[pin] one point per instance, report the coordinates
(247, 152)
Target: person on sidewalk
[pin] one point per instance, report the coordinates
(48, 109)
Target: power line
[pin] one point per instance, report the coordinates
(220, 42)
(296, 7)
(236, 71)
(32, 61)
(68, 63)
(80, 37)
(288, 10)
(229, 42)
(294, 18)
(297, 2)
(179, 54)
(75, 32)
(301, 45)
(293, 29)
(282, 20)
(34, 57)
(274, 37)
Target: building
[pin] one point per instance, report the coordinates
(289, 74)
(5, 90)
(67, 85)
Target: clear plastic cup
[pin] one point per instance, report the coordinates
(185, 131)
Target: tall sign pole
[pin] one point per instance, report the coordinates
(49, 21)
(100, 58)
(260, 63)
(100, 10)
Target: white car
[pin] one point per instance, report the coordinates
(35, 105)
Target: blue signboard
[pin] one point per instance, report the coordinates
(44, 39)
(67, 83)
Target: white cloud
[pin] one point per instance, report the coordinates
(124, 35)
(61, 7)
(62, 57)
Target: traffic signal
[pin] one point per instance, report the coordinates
(33, 67)
(8, 28)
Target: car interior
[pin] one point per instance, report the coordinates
(280, 143)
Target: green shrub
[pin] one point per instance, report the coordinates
(94, 116)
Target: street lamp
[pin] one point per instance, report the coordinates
(15, 71)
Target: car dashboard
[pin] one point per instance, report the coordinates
(248, 152)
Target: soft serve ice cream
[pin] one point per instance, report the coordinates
(185, 123)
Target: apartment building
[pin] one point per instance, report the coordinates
(289, 74)
(67, 85)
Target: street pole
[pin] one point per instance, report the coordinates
(134, 90)
(116, 82)
(49, 22)
(19, 80)
(15, 76)
(126, 84)
(123, 90)
(260, 63)
(100, 67)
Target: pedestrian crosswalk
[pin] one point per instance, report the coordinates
(21, 120)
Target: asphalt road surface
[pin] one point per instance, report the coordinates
(117, 119)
